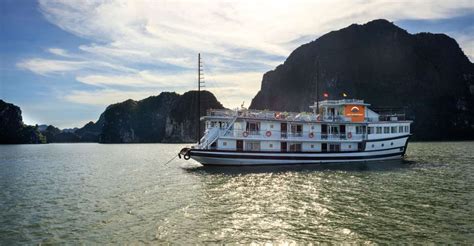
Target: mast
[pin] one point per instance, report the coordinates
(317, 86)
(199, 99)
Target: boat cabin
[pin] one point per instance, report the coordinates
(347, 125)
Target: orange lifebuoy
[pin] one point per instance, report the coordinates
(245, 134)
(349, 135)
(268, 134)
(311, 135)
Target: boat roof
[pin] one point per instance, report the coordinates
(340, 102)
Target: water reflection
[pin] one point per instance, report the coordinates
(290, 203)
(390, 165)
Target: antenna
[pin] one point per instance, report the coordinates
(317, 86)
(200, 82)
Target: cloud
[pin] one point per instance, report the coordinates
(46, 66)
(106, 96)
(231, 89)
(140, 79)
(51, 66)
(153, 44)
(59, 52)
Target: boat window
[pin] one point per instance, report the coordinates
(324, 147)
(295, 147)
(253, 128)
(334, 129)
(359, 129)
(379, 130)
(407, 129)
(240, 145)
(334, 147)
(252, 146)
(394, 129)
(386, 129)
(297, 130)
(400, 129)
(370, 130)
(283, 146)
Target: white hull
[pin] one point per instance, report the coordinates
(227, 158)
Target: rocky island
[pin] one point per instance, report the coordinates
(427, 75)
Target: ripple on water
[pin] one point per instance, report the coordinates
(91, 193)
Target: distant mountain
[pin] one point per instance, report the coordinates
(55, 135)
(12, 128)
(426, 74)
(168, 117)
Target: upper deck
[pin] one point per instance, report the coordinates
(344, 111)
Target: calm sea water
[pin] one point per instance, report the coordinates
(92, 193)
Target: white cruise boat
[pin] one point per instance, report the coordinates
(335, 131)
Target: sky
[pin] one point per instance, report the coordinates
(64, 61)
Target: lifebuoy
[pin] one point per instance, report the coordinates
(318, 118)
(349, 135)
(268, 134)
(245, 134)
(311, 135)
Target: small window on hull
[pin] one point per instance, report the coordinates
(295, 147)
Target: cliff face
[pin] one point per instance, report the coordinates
(12, 129)
(137, 121)
(181, 121)
(427, 74)
(168, 117)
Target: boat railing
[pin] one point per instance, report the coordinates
(342, 101)
(210, 136)
(338, 118)
(302, 135)
(263, 114)
(390, 113)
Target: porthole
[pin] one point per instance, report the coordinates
(312, 127)
(391, 143)
(271, 126)
(271, 145)
(350, 146)
(224, 143)
(373, 146)
(312, 146)
(383, 145)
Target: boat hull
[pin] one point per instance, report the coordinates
(209, 157)
(396, 150)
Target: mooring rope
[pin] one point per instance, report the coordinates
(172, 159)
